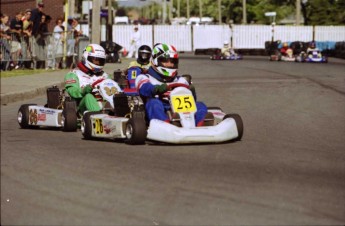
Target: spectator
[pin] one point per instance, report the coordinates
(16, 26)
(58, 42)
(36, 15)
(27, 36)
(41, 42)
(5, 38)
(135, 43)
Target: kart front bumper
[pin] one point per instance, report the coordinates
(161, 131)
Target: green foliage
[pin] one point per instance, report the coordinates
(315, 12)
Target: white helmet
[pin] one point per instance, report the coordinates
(94, 57)
(163, 53)
(226, 43)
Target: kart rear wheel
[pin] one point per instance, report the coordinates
(239, 124)
(136, 131)
(69, 117)
(23, 116)
(86, 125)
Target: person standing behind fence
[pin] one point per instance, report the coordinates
(5, 38)
(41, 43)
(36, 15)
(58, 42)
(135, 43)
(26, 43)
(16, 26)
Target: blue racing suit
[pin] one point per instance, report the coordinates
(149, 87)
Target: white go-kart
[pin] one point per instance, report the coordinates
(219, 127)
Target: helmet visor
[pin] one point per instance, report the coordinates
(96, 60)
(168, 62)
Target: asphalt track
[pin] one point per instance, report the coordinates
(287, 170)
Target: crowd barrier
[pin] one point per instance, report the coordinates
(49, 51)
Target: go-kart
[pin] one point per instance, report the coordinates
(59, 112)
(219, 127)
(122, 115)
(314, 56)
(278, 56)
(231, 57)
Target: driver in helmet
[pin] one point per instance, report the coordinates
(143, 60)
(162, 72)
(312, 48)
(284, 49)
(227, 51)
(78, 82)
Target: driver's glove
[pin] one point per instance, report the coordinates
(87, 89)
(160, 89)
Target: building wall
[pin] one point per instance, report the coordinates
(53, 8)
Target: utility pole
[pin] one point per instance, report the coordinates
(164, 11)
(188, 14)
(200, 9)
(178, 8)
(244, 11)
(110, 19)
(96, 27)
(220, 11)
(298, 12)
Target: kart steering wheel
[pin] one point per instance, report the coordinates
(174, 85)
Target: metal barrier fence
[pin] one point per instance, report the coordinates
(43, 51)
(190, 38)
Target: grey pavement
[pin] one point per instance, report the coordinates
(24, 87)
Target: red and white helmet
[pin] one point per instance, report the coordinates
(94, 57)
(163, 53)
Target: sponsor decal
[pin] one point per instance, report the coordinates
(71, 81)
(42, 117)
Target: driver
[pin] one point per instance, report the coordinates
(312, 48)
(143, 60)
(163, 71)
(227, 51)
(78, 82)
(284, 49)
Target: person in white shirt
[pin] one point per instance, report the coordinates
(135, 43)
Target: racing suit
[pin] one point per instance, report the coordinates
(149, 87)
(227, 51)
(78, 84)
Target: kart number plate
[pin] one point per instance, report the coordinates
(184, 103)
(98, 125)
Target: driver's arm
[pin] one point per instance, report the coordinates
(72, 86)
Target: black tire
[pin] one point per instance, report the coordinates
(86, 126)
(239, 124)
(23, 116)
(136, 131)
(69, 117)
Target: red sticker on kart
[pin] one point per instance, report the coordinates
(183, 103)
(70, 81)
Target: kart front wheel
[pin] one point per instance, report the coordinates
(86, 125)
(136, 131)
(23, 116)
(239, 124)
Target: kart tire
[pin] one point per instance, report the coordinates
(69, 116)
(86, 125)
(136, 131)
(239, 124)
(23, 116)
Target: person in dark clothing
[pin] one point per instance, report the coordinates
(36, 15)
(41, 43)
(16, 26)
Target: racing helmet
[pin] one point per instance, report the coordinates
(285, 45)
(144, 54)
(312, 45)
(94, 58)
(226, 44)
(163, 53)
